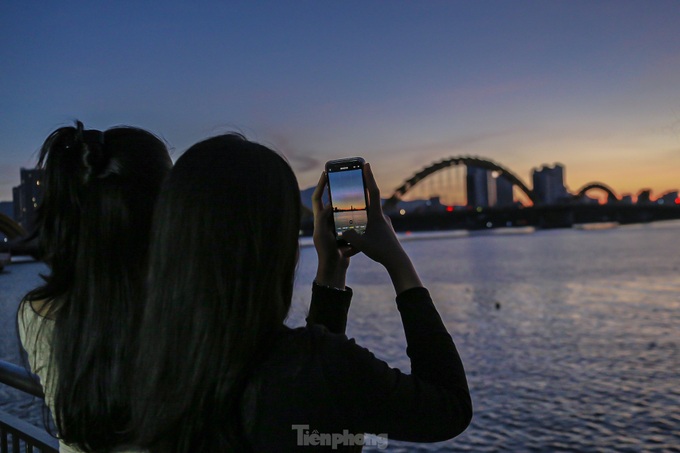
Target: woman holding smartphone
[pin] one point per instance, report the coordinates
(219, 371)
(79, 327)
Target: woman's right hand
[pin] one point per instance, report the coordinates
(379, 242)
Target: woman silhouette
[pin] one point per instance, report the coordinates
(219, 371)
(79, 327)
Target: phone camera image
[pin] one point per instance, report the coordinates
(348, 195)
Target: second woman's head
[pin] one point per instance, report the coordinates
(229, 218)
(99, 193)
(222, 263)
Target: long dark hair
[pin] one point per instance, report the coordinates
(93, 229)
(221, 271)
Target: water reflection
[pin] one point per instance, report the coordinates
(582, 353)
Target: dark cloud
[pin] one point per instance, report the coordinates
(301, 160)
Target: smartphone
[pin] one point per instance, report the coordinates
(347, 193)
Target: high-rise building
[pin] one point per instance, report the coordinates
(549, 185)
(504, 194)
(27, 197)
(477, 187)
(487, 188)
(7, 208)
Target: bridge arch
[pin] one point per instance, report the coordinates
(596, 185)
(10, 228)
(450, 162)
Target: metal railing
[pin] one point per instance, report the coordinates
(16, 435)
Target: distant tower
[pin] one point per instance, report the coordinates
(477, 187)
(549, 185)
(504, 194)
(626, 199)
(644, 197)
(27, 197)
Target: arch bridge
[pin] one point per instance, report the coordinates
(468, 161)
(596, 185)
(10, 228)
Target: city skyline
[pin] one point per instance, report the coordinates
(348, 195)
(590, 85)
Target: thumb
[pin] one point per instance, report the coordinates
(355, 239)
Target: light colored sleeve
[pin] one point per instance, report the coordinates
(35, 333)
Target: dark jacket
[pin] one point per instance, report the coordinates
(319, 388)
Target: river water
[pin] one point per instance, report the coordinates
(570, 338)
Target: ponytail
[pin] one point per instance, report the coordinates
(93, 227)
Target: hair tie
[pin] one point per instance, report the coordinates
(94, 160)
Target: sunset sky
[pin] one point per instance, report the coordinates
(347, 189)
(594, 85)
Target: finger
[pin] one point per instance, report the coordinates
(388, 220)
(317, 203)
(327, 216)
(373, 191)
(371, 185)
(324, 218)
(348, 251)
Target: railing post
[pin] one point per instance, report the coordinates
(19, 431)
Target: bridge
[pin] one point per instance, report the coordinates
(445, 164)
(497, 170)
(10, 228)
(599, 186)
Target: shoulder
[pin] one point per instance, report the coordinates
(320, 343)
(40, 307)
(298, 353)
(35, 333)
(321, 355)
(31, 320)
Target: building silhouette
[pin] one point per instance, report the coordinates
(477, 182)
(669, 198)
(487, 188)
(549, 186)
(504, 193)
(27, 197)
(644, 196)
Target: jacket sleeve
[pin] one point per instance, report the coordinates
(329, 307)
(432, 404)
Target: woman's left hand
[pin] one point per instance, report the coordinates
(333, 257)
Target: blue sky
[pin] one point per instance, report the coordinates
(592, 85)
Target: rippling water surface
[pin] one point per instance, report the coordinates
(571, 339)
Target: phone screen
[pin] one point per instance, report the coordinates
(348, 197)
